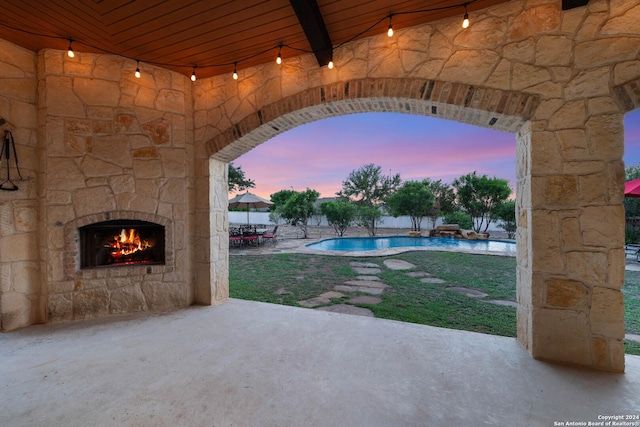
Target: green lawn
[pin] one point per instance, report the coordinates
(288, 278)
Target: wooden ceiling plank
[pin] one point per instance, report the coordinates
(154, 17)
(137, 8)
(204, 33)
(168, 27)
(214, 53)
(227, 41)
(104, 7)
(52, 24)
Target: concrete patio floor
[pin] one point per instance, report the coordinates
(253, 364)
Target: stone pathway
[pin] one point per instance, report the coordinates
(368, 282)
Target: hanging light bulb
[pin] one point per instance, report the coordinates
(70, 50)
(390, 30)
(465, 21)
(137, 69)
(235, 71)
(279, 58)
(330, 64)
(193, 75)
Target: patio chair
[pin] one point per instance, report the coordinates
(270, 235)
(235, 237)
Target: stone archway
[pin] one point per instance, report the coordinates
(560, 79)
(546, 298)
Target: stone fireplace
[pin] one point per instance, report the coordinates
(121, 243)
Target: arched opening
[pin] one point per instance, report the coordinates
(319, 155)
(564, 233)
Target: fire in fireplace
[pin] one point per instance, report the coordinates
(121, 242)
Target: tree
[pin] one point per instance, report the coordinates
(444, 200)
(340, 215)
(279, 199)
(479, 195)
(368, 187)
(367, 217)
(414, 199)
(299, 208)
(237, 181)
(506, 213)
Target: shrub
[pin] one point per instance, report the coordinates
(461, 218)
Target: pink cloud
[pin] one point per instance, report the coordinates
(320, 155)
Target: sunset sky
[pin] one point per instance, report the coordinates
(321, 154)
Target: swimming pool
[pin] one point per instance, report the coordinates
(376, 243)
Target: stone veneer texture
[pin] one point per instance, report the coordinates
(559, 80)
(113, 147)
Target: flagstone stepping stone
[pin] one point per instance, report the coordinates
(367, 270)
(281, 291)
(632, 337)
(331, 294)
(365, 299)
(506, 302)
(432, 280)
(473, 293)
(367, 278)
(366, 283)
(363, 264)
(348, 309)
(322, 299)
(371, 291)
(418, 274)
(398, 264)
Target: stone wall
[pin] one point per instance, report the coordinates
(110, 145)
(113, 147)
(562, 81)
(20, 281)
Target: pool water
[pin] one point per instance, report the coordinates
(375, 243)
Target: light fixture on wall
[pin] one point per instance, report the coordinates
(390, 30)
(465, 20)
(137, 69)
(279, 58)
(193, 75)
(70, 50)
(235, 71)
(330, 64)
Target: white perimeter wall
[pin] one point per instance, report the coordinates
(236, 217)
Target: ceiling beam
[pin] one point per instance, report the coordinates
(310, 18)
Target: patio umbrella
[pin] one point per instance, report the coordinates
(632, 188)
(249, 200)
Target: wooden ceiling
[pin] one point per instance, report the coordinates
(209, 34)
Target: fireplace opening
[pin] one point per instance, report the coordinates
(121, 243)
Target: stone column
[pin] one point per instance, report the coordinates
(571, 237)
(211, 242)
(219, 232)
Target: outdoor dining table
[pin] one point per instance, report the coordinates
(246, 234)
